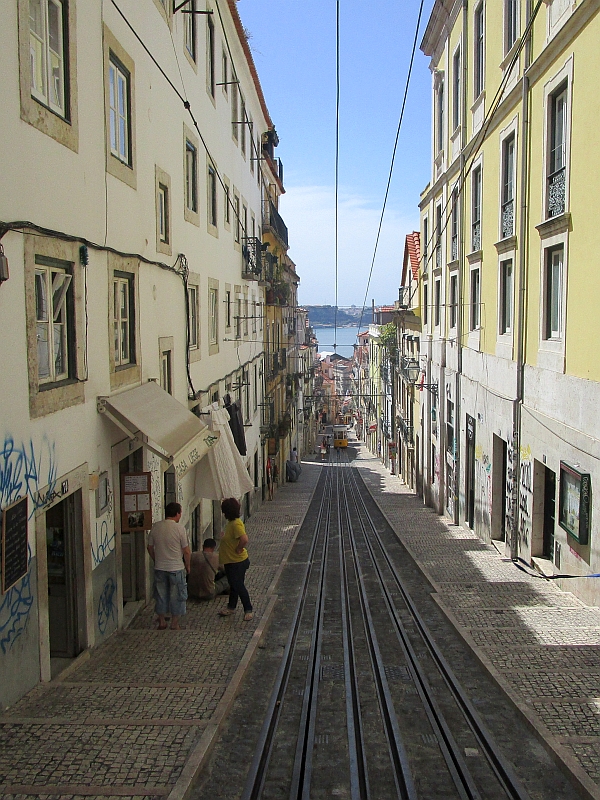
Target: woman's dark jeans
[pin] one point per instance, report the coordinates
(236, 573)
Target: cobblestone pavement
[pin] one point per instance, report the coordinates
(136, 718)
(540, 643)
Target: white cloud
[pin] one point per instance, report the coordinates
(309, 213)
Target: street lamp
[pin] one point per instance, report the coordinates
(412, 371)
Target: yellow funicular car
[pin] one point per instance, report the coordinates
(340, 436)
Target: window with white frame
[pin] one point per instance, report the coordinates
(475, 300)
(454, 227)
(479, 51)
(237, 220)
(456, 88)
(47, 25)
(425, 304)
(123, 319)
(163, 213)
(227, 201)
(507, 225)
(254, 315)
(476, 197)
(228, 308)
(505, 311)
(243, 125)
(166, 371)
(212, 196)
(213, 314)
(438, 236)
(193, 317)
(225, 72)
(251, 143)
(437, 302)
(439, 115)
(119, 110)
(553, 290)
(54, 313)
(557, 152)
(255, 386)
(511, 23)
(238, 317)
(245, 315)
(425, 243)
(453, 300)
(191, 177)
(189, 29)
(210, 55)
(235, 93)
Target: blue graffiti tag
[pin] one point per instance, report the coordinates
(23, 472)
(106, 604)
(105, 542)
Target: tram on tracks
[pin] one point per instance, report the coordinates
(340, 436)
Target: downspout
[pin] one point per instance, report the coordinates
(459, 287)
(520, 345)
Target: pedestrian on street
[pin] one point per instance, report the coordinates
(234, 557)
(169, 549)
(205, 581)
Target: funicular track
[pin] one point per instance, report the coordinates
(365, 705)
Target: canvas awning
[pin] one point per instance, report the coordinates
(181, 438)
(223, 474)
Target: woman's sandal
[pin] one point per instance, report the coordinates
(225, 612)
(248, 616)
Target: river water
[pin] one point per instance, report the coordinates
(345, 339)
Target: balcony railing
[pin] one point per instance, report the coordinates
(557, 187)
(508, 218)
(438, 256)
(454, 247)
(273, 220)
(476, 236)
(251, 258)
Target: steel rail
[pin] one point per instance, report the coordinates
(405, 786)
(359, 776)
(499, 764)
(262, 754)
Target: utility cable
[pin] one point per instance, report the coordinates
(337, 163)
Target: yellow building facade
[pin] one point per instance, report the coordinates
(507, 282)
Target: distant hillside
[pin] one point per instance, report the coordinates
(324, 316)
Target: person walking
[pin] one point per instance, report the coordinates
(169, 549)
(234, 557)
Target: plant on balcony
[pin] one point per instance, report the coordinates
(387, 337)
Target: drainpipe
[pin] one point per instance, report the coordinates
(520, 346)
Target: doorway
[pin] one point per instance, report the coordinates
(470, 473)
(549, 512)
(64, 543)
(133, 543)
(544, 511)
(499, 466)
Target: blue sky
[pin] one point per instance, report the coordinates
(293, 45)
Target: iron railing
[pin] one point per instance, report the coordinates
(508, 218)
(557, 189)
(252, 267)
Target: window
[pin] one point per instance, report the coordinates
(234, 107)
(244, 220)
(243, 125)
(456, 87)
(213, 314)
(254, 315)
(225, 72)
(238, 317)
(439, 116)
(479, 51)
(454, 226)
(506, 296)
(453, 300)
(475, 314)
(237, 221)
(47, 53)
(437, 302)
(53, 313)
(425, 242)
(123, 319)
(508, 187)
(210, 55)
(228, 308)
(251, 143)
(476, 187)
(255, 387)
(425, 304)
(511, 23)
(193, 317)
(450, 427)
(246, 315)
(433, 464)
(119, 110)
(212, 196)
(163, 213)
(191, 176)
(227, 205)
(557, 145)
(166, 372)
(553, 280)
(189, 29)
(438, 236)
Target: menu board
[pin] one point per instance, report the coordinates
(136, 501)
(14, 543)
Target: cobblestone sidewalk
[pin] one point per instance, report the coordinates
(136, 718)
(541, 644)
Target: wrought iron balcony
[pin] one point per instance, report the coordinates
(476, 236)
(557, 187)
(251, 258)
(508, 219)
(273, 220)
(454, 247)
(438, 256)
(406, 430)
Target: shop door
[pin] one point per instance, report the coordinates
(549, 512)
(130, 542)
(64, 537)
(470, 473)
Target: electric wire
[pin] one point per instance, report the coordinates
(337, 163)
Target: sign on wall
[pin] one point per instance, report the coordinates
(14, 543)
(136, 501)
(575, 502)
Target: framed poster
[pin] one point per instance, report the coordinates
(14, 543)
(136, 501)
(575, 502)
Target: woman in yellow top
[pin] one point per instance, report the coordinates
(234, 557)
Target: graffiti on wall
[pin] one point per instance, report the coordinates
(484, 481)
(525, 498)
(510, 488)
(153, 466)
(106, 605)
(104, 540)
(24, 470)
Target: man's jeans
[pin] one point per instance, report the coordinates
(170, 592)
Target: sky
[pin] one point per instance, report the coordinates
(294, 44)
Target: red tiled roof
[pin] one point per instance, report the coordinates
(412, 253)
